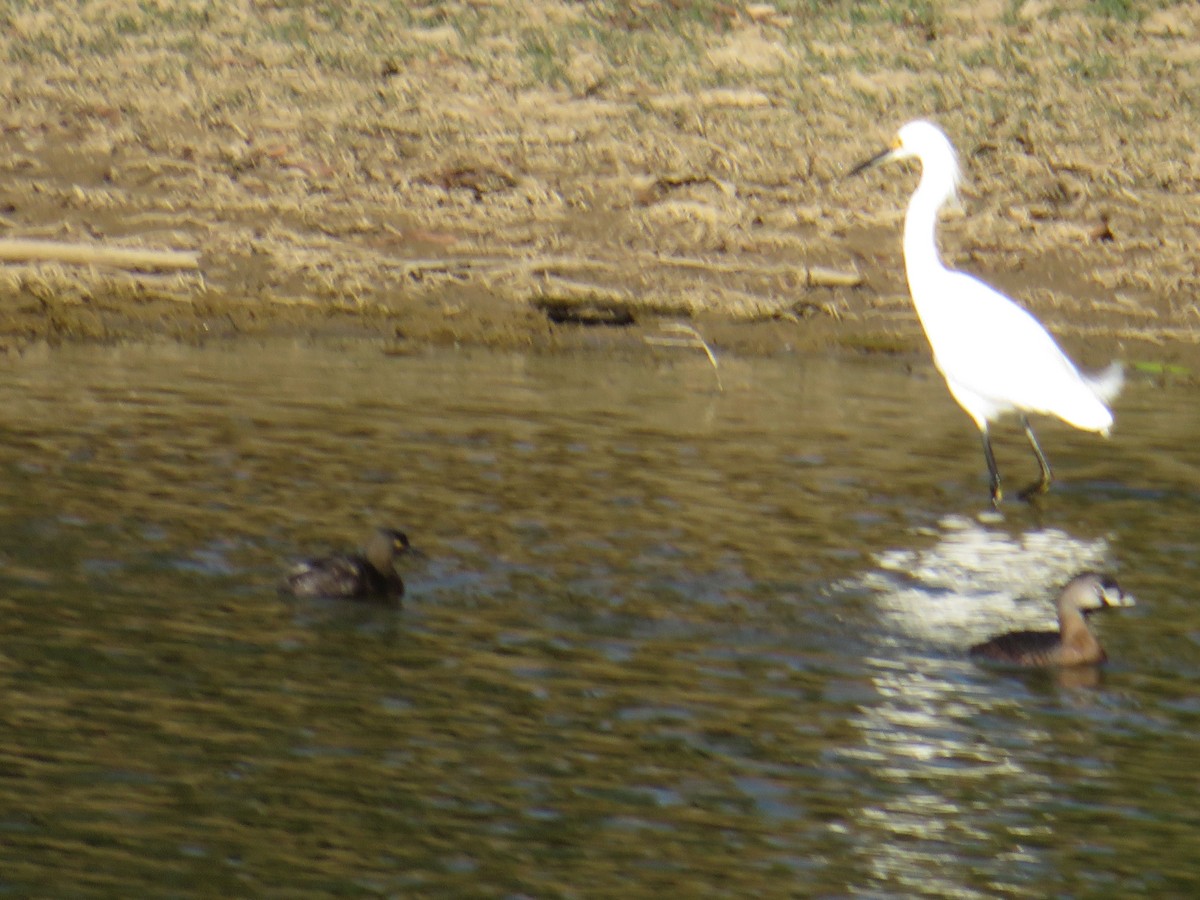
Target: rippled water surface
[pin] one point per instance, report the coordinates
(663, 639)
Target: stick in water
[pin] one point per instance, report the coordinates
(683, 335)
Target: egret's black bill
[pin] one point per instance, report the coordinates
(867, 163)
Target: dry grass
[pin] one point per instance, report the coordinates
(683, 156)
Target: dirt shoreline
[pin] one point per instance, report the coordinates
(551, 176)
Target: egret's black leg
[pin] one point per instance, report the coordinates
(993, 472)
(1042, 484)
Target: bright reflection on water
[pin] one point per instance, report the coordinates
(663, 640)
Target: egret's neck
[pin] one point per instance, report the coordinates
(920, 227)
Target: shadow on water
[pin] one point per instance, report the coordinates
(664, 638)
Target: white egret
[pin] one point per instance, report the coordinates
(996, 357)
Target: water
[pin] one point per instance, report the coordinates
(664, 639)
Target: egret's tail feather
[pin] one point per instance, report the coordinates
(1107, 384)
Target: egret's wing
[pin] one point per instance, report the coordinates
(986, 344)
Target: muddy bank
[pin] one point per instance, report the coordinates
(539, 174)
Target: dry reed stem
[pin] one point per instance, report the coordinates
(680, 334)
(88, 254)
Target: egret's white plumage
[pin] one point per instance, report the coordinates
(996, 357)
